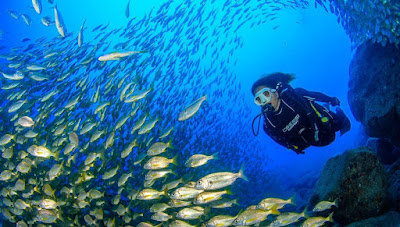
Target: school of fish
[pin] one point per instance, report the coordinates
(376, 20)
(103, 133)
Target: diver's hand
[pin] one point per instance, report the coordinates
(299, 152)
(334, 101)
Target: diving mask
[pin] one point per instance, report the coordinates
(263, 96)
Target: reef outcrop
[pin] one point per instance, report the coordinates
(358, 181)
(374, 90)
(394, 185)
(390, 219)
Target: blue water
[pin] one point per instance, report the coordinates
(307, 42)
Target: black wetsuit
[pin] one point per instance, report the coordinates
(296, 124)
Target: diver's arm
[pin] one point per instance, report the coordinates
(317, 96)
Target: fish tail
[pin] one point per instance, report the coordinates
(207, 212)
(335, 202)
(135, 144)
(34, 163)
(205, 97)
(215, 156)
(241, 173)
(304, 213)
(56, 156)
(291, 200)
(174, 173)
(228, 191)
(330, 217)
(165, 192)
(170, 144)
(102, 155)
(60, 216)
(174, 160)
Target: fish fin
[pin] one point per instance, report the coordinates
(330, 217)
(291, 200)
(128, 211)
(205, 97)
(228, 191)
(34, 162)
(56, 155)
(174, 160)
(335, 202)
(170, 145)
(241, 173)
(174, 173)
(304, 213)
(165, 192)
(60, 215)
(207, 212)
(163, 181)
(102, 155)
(274, 210)
(187, 177)
(215, 156)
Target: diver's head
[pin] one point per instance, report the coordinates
(264, 89)
(265, 96)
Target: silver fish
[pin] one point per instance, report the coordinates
(189, 111)
(37, 5)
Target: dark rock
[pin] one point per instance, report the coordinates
(374, 90)
(358, 181)
(371, 142)
(390, 219)
(394, 185)
(386, 151)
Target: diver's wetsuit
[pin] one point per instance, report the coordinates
(296, 124)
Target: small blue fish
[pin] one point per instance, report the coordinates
(27, 19)
(127, 9)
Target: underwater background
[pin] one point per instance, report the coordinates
(187, 50)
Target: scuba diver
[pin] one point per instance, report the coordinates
(292, 118)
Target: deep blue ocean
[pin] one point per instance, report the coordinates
(216, 48)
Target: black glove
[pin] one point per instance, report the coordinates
(334, 101)
(299, 152)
